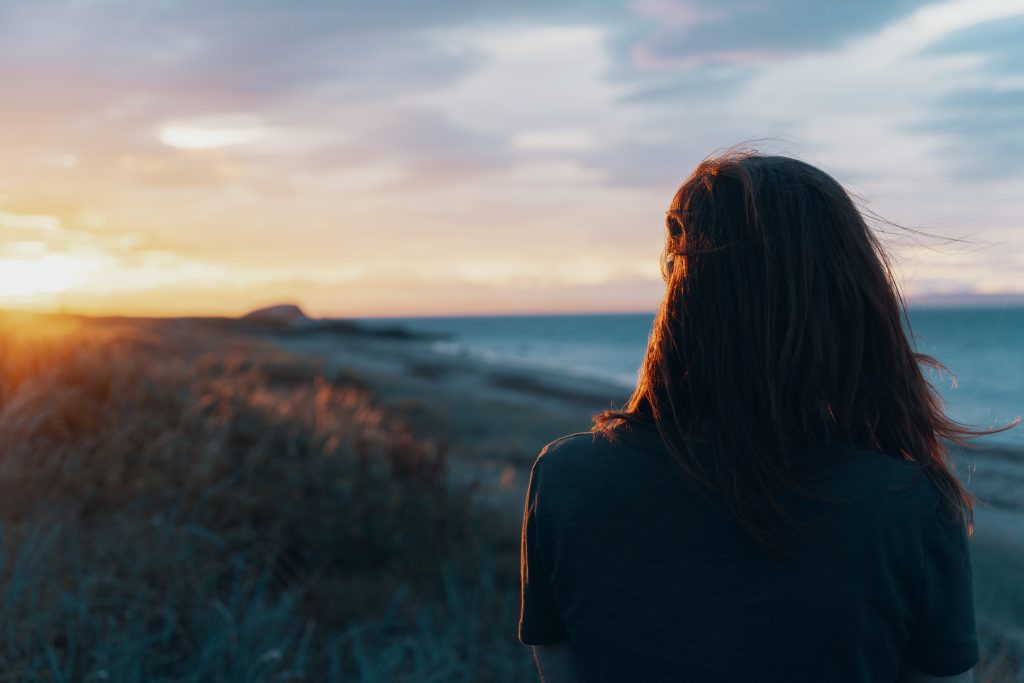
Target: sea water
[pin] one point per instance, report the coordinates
(983, 348)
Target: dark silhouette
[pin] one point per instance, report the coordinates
(829, 539)
(781, 326)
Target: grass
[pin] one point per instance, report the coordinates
(182, 505)
(194, 509)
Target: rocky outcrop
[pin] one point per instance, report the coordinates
(278, 315)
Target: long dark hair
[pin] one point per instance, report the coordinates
(782, 326)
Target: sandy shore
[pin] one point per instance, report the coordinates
(495, 418)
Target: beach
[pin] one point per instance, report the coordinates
(497, 416)
(494, 417)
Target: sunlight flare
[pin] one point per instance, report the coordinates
(25, 278)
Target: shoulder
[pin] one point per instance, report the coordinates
(565, 446)
(580, 468)
(567, 464)
(868, 463)
(566, 452)
(892, 470)
(898, 489)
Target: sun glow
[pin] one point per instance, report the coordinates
(27, 279)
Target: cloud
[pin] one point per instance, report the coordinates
(45, 262)
(751, 33)
(261, 49)
(997, 43)
(475, 137)
(984, 266)
(647, 164)
(433, 145)
(982, 132)
(980, 122)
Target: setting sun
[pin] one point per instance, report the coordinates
(24, 280)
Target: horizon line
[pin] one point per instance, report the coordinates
(926, 301)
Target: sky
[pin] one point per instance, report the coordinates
(404, 157)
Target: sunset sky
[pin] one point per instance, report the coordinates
(468, 156)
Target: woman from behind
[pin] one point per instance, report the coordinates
(775, 501)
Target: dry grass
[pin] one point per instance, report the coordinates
(179, 508)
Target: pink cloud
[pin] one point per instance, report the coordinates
(672, 13)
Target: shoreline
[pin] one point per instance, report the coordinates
(493, 417)
(496, 416)
(276, 398)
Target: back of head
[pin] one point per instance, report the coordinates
(781, 327)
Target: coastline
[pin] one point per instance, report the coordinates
(495, 416)
(294, 408)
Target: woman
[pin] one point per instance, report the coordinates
(774, 502)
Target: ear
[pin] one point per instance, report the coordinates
(668, 260)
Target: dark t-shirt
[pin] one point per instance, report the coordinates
(650, 582)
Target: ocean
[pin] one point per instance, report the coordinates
(982, 347)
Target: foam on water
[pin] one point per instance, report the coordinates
(982, 347)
